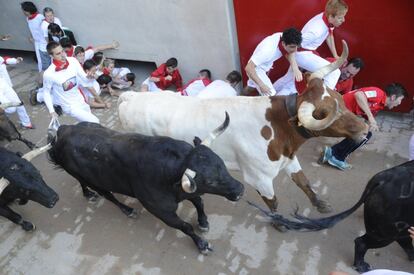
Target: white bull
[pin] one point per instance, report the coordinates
(264, 132)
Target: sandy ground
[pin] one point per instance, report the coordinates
(78, 237)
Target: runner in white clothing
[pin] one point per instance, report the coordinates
(8, 94)
(314, 33)
(266, 53)
(34, 19)
(49, 18)
(63, 76)
(220, 88)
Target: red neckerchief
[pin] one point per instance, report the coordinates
(281, 48)
(70, 52)
(60, 65)
(32, 16)
(329, 25)
(106, 71)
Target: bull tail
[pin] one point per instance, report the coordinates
(302, 223)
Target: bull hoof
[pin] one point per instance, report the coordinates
(205, 248)
(280, 227)
(203, 226)
(323, 207)
(362, 267)
(28, 226)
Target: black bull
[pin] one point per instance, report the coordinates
(9, 132)
(147, 168)
(20, 180)
(388, 202)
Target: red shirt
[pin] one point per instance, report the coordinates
(375, 96)
(344, 86)
(163, 84)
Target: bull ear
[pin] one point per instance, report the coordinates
(197, 141)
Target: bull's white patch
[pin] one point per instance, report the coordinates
(250, 243)
(314, 256)
(284, 256)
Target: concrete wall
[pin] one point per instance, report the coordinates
(199, 33)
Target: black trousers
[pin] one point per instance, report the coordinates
(344, 148)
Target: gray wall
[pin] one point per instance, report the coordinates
(199, 33)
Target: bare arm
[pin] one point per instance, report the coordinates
(362, 102)
(292, 61)
(113, 45)
(251, 73)
(330, 40)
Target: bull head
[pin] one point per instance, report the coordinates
(307, 108)
(187, 181)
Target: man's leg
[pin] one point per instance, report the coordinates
(24, 117)
(82, 113)
(337, 154)
(312, 62)
(284, 81)
(265, 79)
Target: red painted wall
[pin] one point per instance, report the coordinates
(378, 31)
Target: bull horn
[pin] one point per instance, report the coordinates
(333, 66)
(34, 153)
(213, 135)
(305, 116)
(10, 104)
(3, 184)
(187, 181)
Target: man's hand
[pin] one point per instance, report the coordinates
(168, 78)
(373, 125)
(265, 90)
(411, 231)
(19, 59)
(5, 37)
(298, 75)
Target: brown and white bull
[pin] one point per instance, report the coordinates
(265, 132)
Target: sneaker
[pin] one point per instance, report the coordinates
(27, 127)
(341, 165)
(33, 97)
(326, 154)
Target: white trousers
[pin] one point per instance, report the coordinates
(81, 112)
(152, 87)
(38, 57)
(265, 78)
(7, 95)
(310, 62)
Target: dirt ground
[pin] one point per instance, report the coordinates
(79, 237)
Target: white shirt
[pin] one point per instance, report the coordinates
(43, 27)
(119, 72)
(385, 272)
(267, 52)
(314, 33)
(195, 87)
(4, 74)
(34, 27)
(218, 88)
(64, 84)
